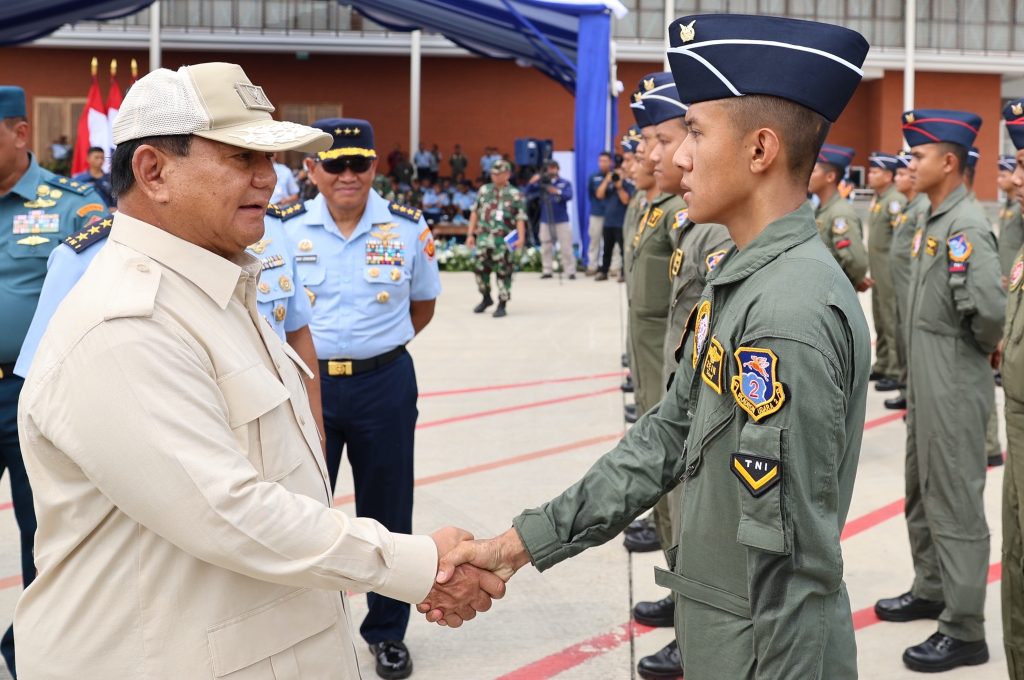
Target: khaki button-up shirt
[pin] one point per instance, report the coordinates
(185, 520)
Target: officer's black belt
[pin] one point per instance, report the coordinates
(346, 367)
(6, 371)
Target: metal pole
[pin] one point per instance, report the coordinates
(609, 134)
(670, 13)
(910, 45)
(414, 93)
(154, 36)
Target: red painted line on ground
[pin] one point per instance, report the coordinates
(884, 420)
(513, 386)
(872, 519)
(10, 582)
(862, 618)
(517, 407)
(550, 666)
(504, 462)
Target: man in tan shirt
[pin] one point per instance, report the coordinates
(185, 520)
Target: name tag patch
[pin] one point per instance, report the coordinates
(711, 371)
(756, 474)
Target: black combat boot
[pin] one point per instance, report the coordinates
(500, 311)
(484, 304)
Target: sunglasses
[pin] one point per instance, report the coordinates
(337, 166)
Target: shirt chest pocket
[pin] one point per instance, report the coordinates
(41, 249)
(390, 278)
(272, 288)
(259, 416)
(310, 269)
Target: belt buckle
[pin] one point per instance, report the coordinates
(339, 367)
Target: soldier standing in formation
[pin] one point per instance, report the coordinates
(954, 318)
(1011, 228)
(886, 206)
(838, 223)
(499, 214)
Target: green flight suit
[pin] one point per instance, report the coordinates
(955, 319)
(1013, 477)
(767, 476)
(634, 211)
(839, 228)
(650, 290)
(1011, 234)
(899, 266)
(882, 217)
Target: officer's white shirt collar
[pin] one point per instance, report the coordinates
(376, 211)
(213, 274)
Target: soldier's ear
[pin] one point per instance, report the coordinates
(149, 165)
(765, 149)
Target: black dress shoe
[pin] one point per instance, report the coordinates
(629, 413)
(942, 653)
(645, 540)
(876, 375)
(627, 385)
(638, 525)
(996, 460)
(625, 361)
(660, 614)
(897, 403)
(667, 663)
(906, 607)
(888, 385)
(546, 276)
(500, 311)
(999, 379)
(484, 304)
(393, 659)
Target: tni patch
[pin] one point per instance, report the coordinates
(756, 389)
(757, 475)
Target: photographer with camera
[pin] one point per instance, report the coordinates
(615, 192)
(554, 193)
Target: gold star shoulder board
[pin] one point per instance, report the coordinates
(94, 231)
(405, 211)
(68, 185)
(286, 212)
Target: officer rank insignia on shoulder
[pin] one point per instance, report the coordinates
(1017, 273)
(285, 213)
(756, 389)
(714, 259)
(756, 474)
(680, 219)
(959, 247)
(405, 211)
(95, 230)
(711, 371)
(839, 225)
(701, 328)
(65, 184)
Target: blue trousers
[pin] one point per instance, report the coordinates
(21, 494)
(373, 417)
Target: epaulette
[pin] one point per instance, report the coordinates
(405, 211)
(67, 184)
(95, 230)
(285, 213)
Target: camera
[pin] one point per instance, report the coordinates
(616, 176)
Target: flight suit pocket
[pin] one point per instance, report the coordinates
(758, 467)
(701, 592)
(260, 644)
(962, 299)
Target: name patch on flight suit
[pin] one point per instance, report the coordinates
(915, 249)
(756, 389)
(711, 371)
(701, 326)
(712, 261)
(756, 474)
(1016, 274)
(676, 263)
(653, 217)
(931, 246)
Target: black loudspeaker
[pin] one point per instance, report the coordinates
(533, 152)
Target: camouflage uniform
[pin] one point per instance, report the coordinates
(497, 212)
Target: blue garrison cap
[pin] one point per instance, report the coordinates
(928, 126)
(12, 101)
(973, 156)
(719, 56)
(885, 161)
(661, 98)
(1013, 114)
(636, 105)
(839, 156)
(352, 137)
(631, 139)
(1007, 162)
(903, 159)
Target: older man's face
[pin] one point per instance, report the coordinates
(222, 191)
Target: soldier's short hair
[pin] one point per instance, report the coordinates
(960, 152)
(801, 130)
(122, 178)
(12, 121)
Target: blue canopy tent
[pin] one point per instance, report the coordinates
(25, 21)
(568, 40)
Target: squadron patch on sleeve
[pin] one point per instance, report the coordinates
(756, 474)
(756, 389)
(711, 371)
(1017, 273)
(839, 226)
(959, 247)
(894, 207)
(680, 219)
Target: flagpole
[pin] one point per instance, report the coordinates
(154, 36)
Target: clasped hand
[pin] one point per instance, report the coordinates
(470, 574)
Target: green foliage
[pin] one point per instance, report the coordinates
(453, 256)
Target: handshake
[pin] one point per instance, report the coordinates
(470, 574)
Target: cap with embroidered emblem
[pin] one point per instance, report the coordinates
(839, 156)
(1007, 162)
(885, 161)
(215, 101)
(501, 166)
(903, 159)
(630, 140)
(1013, 114)
(12, 101)
(720, 56)
(350, 137)
(930, 126)
(661, 101)
(636, 105)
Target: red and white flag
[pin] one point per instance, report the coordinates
(113, 105)
(93, 127)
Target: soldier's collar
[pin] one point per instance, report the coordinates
(781, 235)
(30, 181)
(955, 197)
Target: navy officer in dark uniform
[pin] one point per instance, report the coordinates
(370, 270)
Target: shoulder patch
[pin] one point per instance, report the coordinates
(711, 371)
(894, 207)
(680, 218)
(94, 231)
(714, 259)
(701, 329)
(405, 211)
(285, 213)
(756, 389)
(67, 184)
(756, 474)
(1016, 274)
(959, 247)
(653, 216)
(839, 225)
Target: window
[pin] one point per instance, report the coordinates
(52, 118)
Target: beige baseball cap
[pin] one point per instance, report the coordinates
(216, 101)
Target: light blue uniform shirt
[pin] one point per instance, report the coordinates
(363, 284)
(280, 296)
